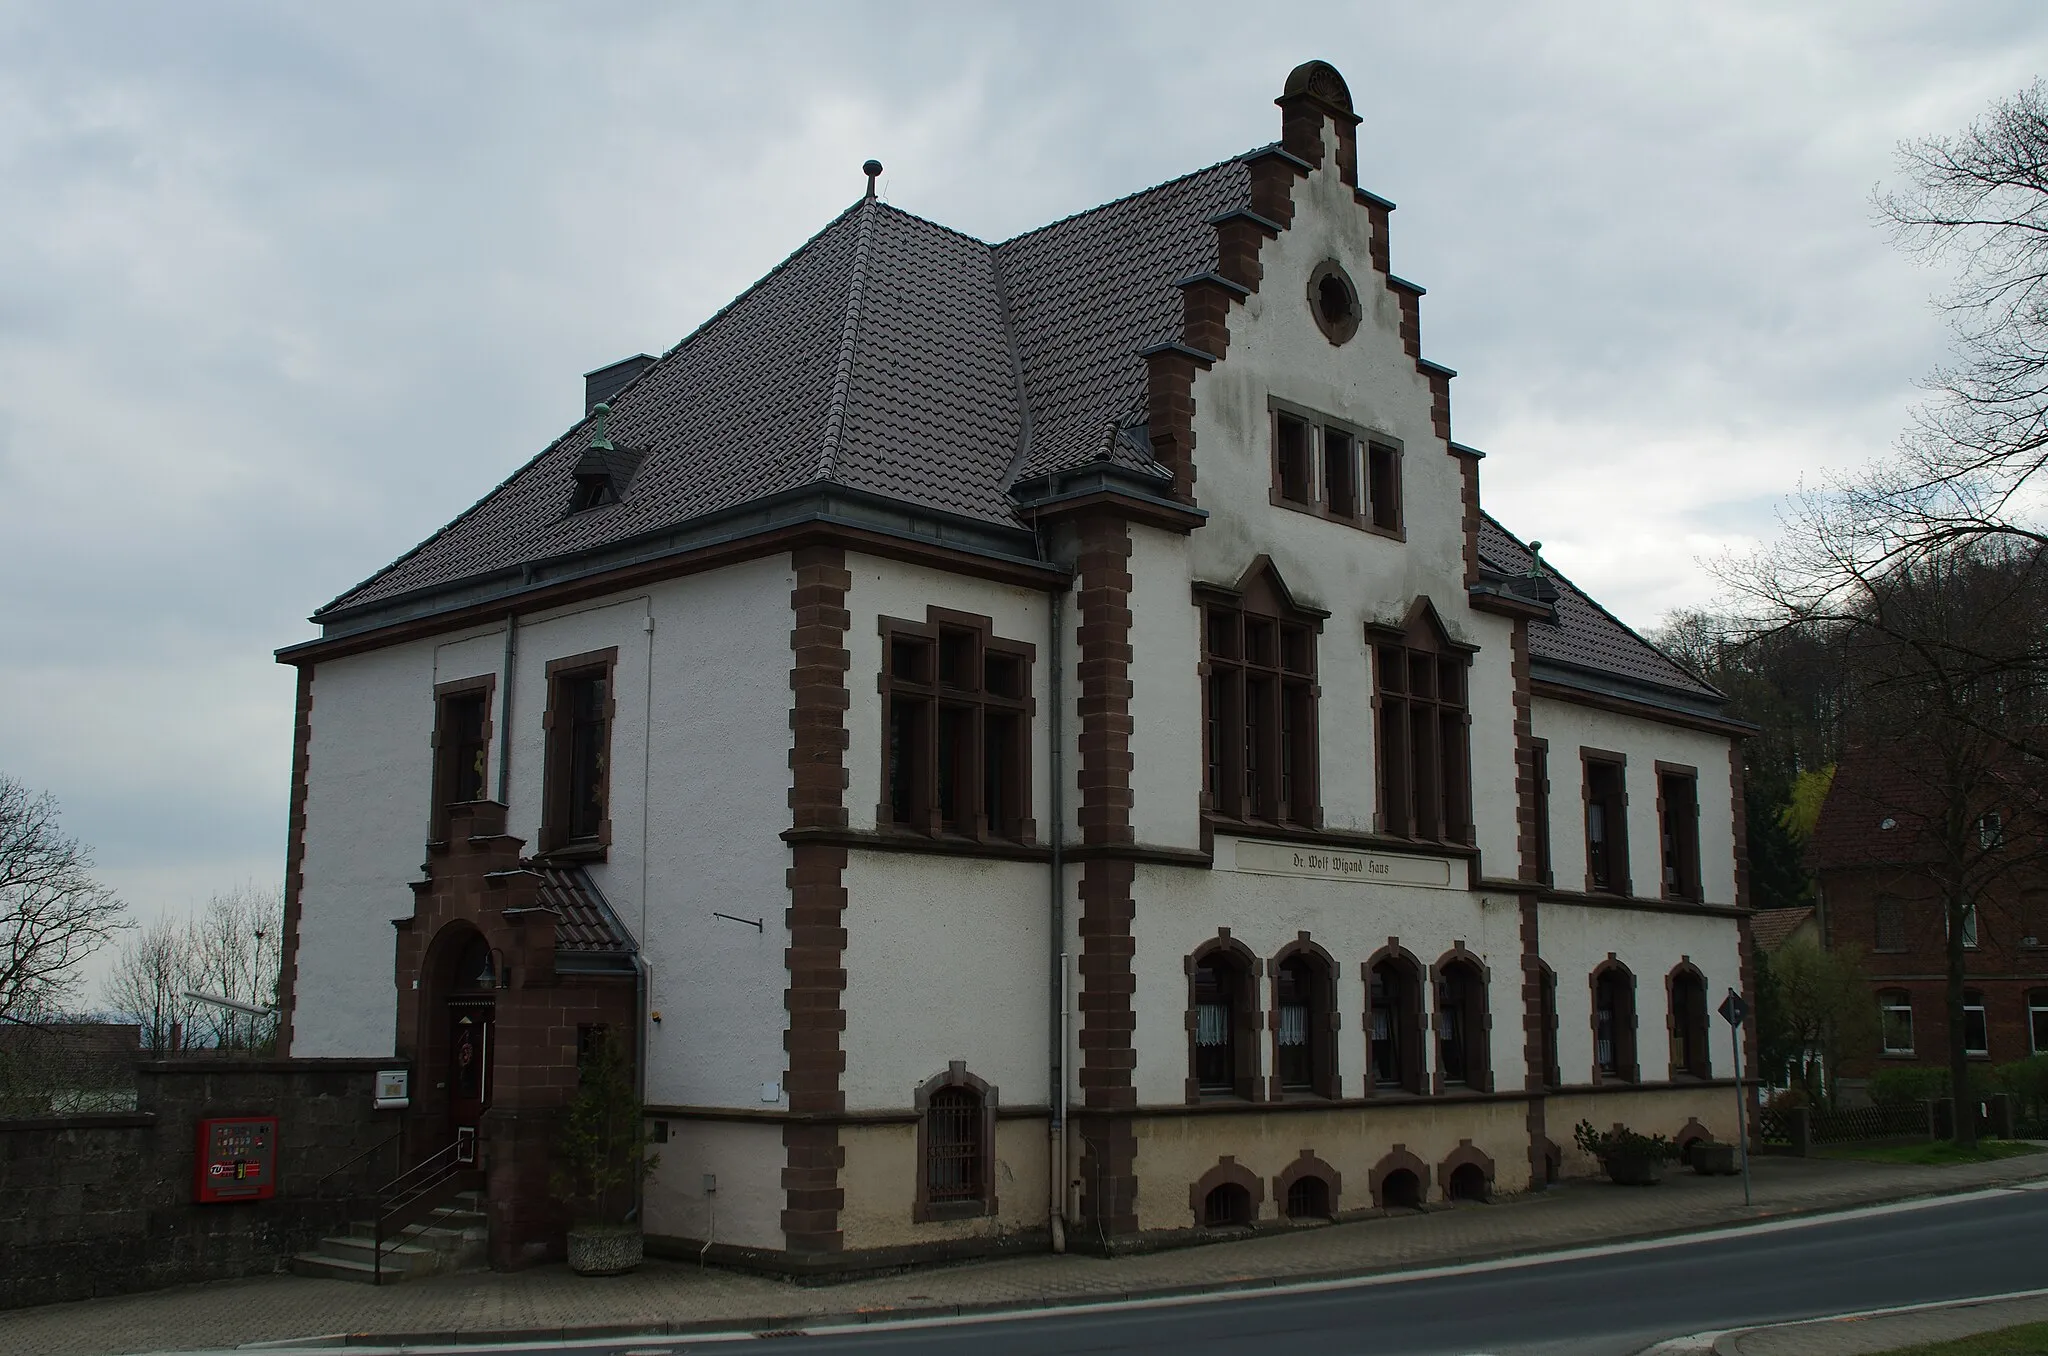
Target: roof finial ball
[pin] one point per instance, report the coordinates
(873, 169)
(1316, 94)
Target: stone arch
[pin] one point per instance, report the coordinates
(1396, 1160)
(977, 1128)
(1325, 1076)
(1305, 1166)
(1246, 1020)
(1461, 1158)
(1477, 1017)
(1227, 1172)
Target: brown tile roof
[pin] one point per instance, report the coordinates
(1773, 927)
(588, 926)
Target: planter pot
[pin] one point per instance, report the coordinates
(604, 1249)
(1633, 1171)
(1715, 1160)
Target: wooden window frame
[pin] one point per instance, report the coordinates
(1397, 705)
(441, 741)
(1271, 775)
(1247, 1018)
(1323, 1021)
(1408, 1022)
(923, 1209)
(1973, 1001)
(1894, 1001)
(1376, 499)
(1614, 816)
(1539, 773)
(557, 773)
(1552, 1072)
(1678, 834)
(1688, 1022)
(1886, 903)
(1627, 1064)
(980, 706)
(2037, 1021)
(1476, 1015)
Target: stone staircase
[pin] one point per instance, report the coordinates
(452, 1238)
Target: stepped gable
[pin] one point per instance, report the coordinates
(1586, 635)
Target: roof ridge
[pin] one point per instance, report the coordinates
(1118, 202)
(1597, 606)
(1010, 341)
(935, 225)
(849, 336)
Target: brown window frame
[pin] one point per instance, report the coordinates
(1470, 1009)
(1613, 815)
(1261, 703)
(1405, 1024)
(481, 689)
(1551, 1074)
(559, 773)
(1403, 714)
(1973, 1001)
(933, 709)
(1685, 1009)
(1890, 1001)
(1539, 775)
(1244, 1015)
(1888, 916)
(1315, 1072)
(1338, 471)
(1626, 1068)
(934, 1112)
(1678, 834)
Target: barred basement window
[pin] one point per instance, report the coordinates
(1423, 740)
(957, 727)
(1308, 1197)
(1259, 716)
(955, 1146)
(1226, 1206)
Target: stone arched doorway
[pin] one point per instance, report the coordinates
(463, 1003)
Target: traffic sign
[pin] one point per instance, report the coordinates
(1734, 1009)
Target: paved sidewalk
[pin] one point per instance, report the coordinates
(1868, 1335)
(548, 1301)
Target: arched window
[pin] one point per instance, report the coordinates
(1394, 1026)
(1259, 700)
(1422, 729)
(1546, 1029)
(1222, 1041)
(1303, 1021)
(1614, 1024)
(1895, 1021)
(956, 1146)
(1689, 1053)
(1461, 1025)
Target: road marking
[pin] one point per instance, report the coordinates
(1704, 1341)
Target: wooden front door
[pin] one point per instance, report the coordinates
(469, 1064)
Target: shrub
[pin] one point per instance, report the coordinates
(1891, 1087)
(1622, 1142)
(2026, 1081)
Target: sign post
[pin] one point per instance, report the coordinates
(1734, 1009)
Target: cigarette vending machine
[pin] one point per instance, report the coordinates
(237, 1159)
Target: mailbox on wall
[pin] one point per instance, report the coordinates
(237, 1159)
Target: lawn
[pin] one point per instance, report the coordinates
(1941, 1153)
(2029, 1339)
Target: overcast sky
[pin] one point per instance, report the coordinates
(284, 287)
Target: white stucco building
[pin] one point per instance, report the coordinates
(1033, 741)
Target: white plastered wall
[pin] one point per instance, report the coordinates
(1576, 938)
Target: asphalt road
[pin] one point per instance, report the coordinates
(1614, 1303)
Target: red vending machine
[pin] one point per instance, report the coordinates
(237, 1159)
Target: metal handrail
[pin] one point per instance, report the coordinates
(320, 1186)
(422, 1185)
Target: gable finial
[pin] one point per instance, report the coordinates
(1536, 570)
(873, 169)
(598, 437)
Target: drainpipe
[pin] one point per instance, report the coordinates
(505, 711)
(1056, 1099)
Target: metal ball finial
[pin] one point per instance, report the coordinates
(873, 169)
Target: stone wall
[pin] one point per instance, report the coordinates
(98, 1204)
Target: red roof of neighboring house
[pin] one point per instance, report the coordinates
(1772, 928)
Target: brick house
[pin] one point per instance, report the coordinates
(1871, 854)
(1036, 742)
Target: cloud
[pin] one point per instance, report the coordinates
(284, 288)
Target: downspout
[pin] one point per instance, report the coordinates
(641, 980)
(1056, 1099)
(505, 711)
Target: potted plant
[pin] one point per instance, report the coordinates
(1629, 1158)
(603, 1159)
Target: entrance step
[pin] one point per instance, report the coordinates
(453, 1238)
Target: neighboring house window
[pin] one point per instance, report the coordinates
(956, 1146)
(1614, 1024)
(1259, 661)
(1546, 1019)
(2033, 918)
(1678, 823)
(1890, 919)
(1423, 734)
(2037, 1021)
(1461, 1025)
(1304, 1060)
(1976, 1031)
(1321, 466)
(1223, 1024)
(1969, 926)
(1991, 832)
(462, 746)
(1606, 824)
(1394, 1025)
(1895, 1021)
(957, 723)
(1539, 769)
(1689, 1055)
(576, 811)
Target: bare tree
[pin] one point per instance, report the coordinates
(235, 952)
(150, 982)
(53, 914)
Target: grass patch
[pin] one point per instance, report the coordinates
(2029, 1339)
(1941, 1153)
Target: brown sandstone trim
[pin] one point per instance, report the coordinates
(295, 858)
(1528, 832)
(1535, 1076)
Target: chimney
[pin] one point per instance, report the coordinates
(601, 384)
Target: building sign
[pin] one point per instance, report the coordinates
(236, 1159)
(393, 1089)
(1287, 859)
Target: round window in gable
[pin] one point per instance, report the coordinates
(1333, 301)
